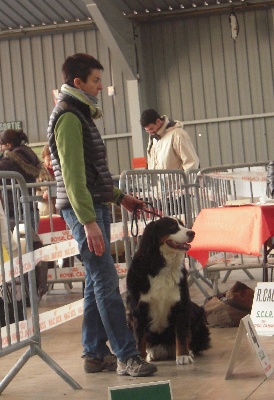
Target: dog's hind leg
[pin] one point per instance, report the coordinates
(200, 335)
(182, 333)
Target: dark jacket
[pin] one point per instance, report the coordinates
(20, 159)
(99, 181)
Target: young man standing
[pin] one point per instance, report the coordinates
(169, 146)
(84, 187)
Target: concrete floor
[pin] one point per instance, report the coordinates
(203, 380)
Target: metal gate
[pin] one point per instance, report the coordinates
(170, 194)
(231, 185)
(19, 325)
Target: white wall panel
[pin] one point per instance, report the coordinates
(6, 82)
(39, 83)
(184, 70)
(52, 82)
(30, 124)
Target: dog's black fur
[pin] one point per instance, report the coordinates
(165, 322)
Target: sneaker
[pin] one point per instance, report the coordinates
(135, 366)
(91, 365)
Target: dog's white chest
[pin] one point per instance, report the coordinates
(163, 294)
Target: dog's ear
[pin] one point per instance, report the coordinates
(149, 240)
(148, 256)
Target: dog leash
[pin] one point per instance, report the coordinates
(139, 210)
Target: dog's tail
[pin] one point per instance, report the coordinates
(200, 335)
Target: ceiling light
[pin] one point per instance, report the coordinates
(135, 12)
(170, 8)
(205, 3)
(217, 2)
(146, 10)
(182, 6)
(158, 9)
(194, 5)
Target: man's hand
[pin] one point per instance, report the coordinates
(130, 202)
(94, 237)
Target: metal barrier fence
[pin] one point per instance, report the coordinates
(52, 229)
(173, 193)
(170, 194)
(18, 327)
(208, 188)
(168, 191)
(232, 184)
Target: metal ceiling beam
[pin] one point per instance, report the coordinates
(117, 31)
(195, 12)
(54, 28)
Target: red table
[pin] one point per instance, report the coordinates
(236, 229)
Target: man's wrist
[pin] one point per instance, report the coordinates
(120, 198)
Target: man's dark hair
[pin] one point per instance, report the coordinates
(80, 66)
(149, 116)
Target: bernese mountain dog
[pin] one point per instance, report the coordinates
(165, 322)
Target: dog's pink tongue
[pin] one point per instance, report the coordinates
(178, 246)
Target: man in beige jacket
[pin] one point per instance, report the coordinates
(169, 146)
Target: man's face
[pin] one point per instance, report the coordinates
(152, 129)
(93, 85)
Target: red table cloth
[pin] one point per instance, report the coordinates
(235, 229)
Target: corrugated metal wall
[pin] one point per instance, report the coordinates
(30, 68)
(192, 70)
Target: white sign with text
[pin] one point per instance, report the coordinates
(262, 313)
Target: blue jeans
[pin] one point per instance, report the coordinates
(104, 312)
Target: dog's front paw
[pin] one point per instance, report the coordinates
(182, 360)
